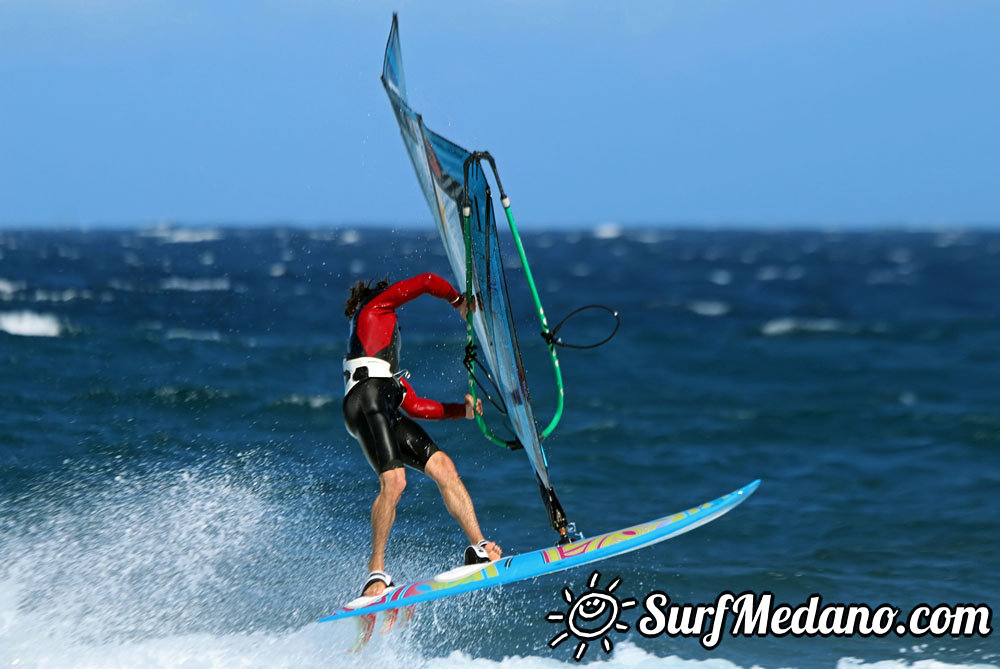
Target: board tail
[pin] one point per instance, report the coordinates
(392, 619)
(366, 627)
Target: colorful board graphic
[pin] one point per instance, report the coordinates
(545, 560)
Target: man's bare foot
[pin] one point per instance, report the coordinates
(493, 550)
(376, 584)
(482, 552)
(375, 589)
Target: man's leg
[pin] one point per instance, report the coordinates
(383, 514)
(456, 498)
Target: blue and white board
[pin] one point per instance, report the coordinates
(546, 560)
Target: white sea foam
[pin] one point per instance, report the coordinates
(30, 324)
(768, 273)
(946, 239)
(350, 237)
(721, 277)
(608, 230)
(276, 270)
(709, 308)
(773, 273)
(137, 570)
(788, 325)
(170, 235)
(311, 401)
(8, 287)
(195, 285)
(195, 335)
(324, 645)
(67, 295)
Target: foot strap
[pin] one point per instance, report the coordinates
(477, 554)
(377, 577)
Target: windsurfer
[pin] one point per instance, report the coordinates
(375, 391)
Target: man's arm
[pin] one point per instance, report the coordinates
(427, 283)
(421, 407)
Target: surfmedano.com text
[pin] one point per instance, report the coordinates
(751, 614)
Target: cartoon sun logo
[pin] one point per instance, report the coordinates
(591, 616)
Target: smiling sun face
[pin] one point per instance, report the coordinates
(591, 616)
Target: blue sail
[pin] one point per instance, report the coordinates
(440, 168)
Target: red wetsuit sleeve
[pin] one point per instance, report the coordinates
(421, 407)
(403, 291)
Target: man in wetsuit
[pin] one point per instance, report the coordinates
(375, 391)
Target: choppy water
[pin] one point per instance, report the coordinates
(177, 488)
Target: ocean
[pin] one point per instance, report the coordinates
(177, 488)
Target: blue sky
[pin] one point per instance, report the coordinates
(711, 112)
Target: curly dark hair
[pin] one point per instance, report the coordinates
(361, 291)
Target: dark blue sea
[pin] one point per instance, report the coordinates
(177, 488)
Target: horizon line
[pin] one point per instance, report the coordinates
(532, 226)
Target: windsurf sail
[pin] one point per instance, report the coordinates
(460, 198)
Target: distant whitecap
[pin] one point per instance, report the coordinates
(608, 230)
(169, 235)
(10, 287)
(709, 308)
(195, 335)
(195, 285)
(947, 239)
(768, 273)
(350, 237)
(721, 277)
(67, 295)
(311, 401)
(277, 269)
(788, 325)
(29, 324)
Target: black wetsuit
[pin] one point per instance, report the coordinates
(372, 407)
